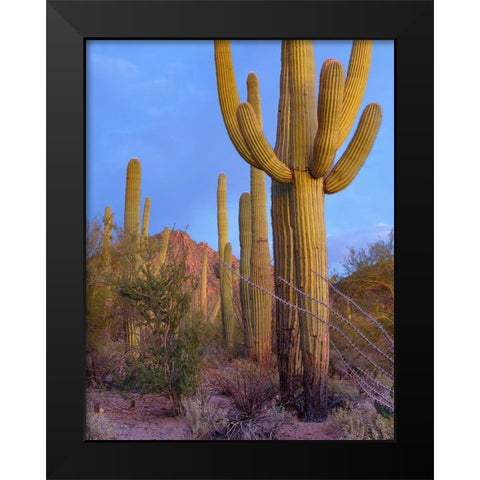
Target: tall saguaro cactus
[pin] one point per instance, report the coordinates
(308, 136)
(131, 222)
(260, 261)
(245, 230)
(131, 227)
(225, 275)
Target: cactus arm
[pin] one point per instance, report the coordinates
(228, 97)
(357, 151)
(259, 146)
(355, 84)
(329, 111)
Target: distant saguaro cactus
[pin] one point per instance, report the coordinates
(107, 237)
(131, 222)
(131, 227)
(225, 274)
(203, 284)
(308, 136)
(146, 218)
(227, 297)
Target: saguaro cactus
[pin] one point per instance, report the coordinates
(226, 290)
(226, 296)
(107, 237)
(308, 136)
(203, 284)
(146, 218)
(260, 261)
(131, 227)
(131, 222)
(245, 230)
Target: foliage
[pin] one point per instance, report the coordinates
(204, 420)
(168, 361)
(350, 423)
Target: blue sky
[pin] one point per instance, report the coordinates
(156, 100)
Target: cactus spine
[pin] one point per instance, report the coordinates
(226, 296)
(245, 230)
(260, 261)
(312, 138)
(146, 219)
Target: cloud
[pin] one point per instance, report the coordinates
(114, 65)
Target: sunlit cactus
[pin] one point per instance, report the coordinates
(225, 275)
(162, 250)
(260, 261)
(146, 219)
(227, 297)
(131, 222)
(245, 231)
(309, 132)
(203, 284)
(107, 237)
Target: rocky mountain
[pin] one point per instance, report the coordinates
(182, 244)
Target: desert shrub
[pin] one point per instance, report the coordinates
(351, 423)
(204, 420)
(264, 425)
(249, 385)
(98, 427)
(341, 391)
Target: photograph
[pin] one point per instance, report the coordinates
(239, 239)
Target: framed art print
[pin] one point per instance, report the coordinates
(236, 286)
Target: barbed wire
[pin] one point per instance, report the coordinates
(301, 309)
(367, 389)
(362, 335)
(365, 314)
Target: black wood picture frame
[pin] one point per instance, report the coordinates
(410, 25)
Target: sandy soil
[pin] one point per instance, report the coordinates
(151, 418)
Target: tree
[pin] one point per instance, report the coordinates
(167, 361)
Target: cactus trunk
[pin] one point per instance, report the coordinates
(245, 230)
(226, 297)
(107, 238)
(131, 222)
(203, 285)
(286, 325)
(146, 219)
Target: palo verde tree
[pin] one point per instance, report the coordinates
(309, 133)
